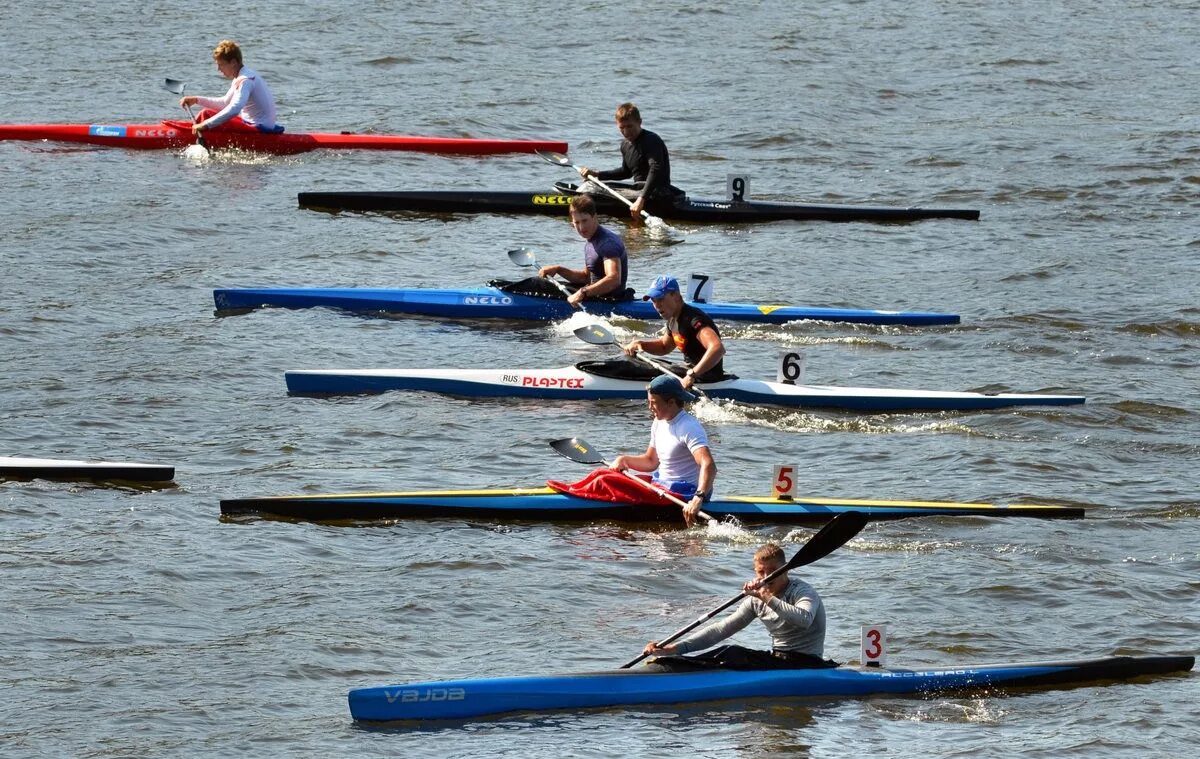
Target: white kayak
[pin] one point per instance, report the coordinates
(572, 383)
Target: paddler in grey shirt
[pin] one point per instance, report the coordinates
(790, 609)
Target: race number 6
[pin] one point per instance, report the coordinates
(791, 368)
(784, 484)
(874, 642)
(699, 288)
(737, 187)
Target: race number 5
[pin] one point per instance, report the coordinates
(874, 642)
(791, 368)
(737, 187)
(784, 484)
(699, 288)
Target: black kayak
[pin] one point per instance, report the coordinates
(554, 203)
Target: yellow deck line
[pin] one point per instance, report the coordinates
(740, 499)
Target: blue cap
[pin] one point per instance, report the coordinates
(661, 287)
(668, 385)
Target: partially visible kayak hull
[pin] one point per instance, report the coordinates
(174, 135)
(17, 467)
(571, 383)
(464, 699)
(492, 303)
(556, 204)
(544, 504)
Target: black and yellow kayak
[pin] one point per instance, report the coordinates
(555, 203)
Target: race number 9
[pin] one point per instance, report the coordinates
(700, 287)
(791, 368)
(874, 645)
(784, 484)
(737, 187)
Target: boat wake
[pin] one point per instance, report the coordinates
(731, 412)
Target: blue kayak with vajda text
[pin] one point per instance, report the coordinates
(462, 699)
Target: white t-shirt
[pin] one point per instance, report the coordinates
(676, 441)
(248, 96)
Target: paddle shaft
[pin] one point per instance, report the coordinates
(828, 539)
(661, 493)
(178, 87)
(606, 338)
(573, 453)
(561, 160)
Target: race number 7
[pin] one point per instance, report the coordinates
(699, 288)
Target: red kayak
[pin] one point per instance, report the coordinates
(169, 135)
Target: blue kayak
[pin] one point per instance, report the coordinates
(493, 303)
(544, 504)
(461, 699)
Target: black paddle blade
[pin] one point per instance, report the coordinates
(175, 85)
(522, 257)
(828, 539)
(558, 159)
(596, 334)
(576, 450)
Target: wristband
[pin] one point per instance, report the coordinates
(703, 495)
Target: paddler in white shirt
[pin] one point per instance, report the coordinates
(678, 454)
(248, 101)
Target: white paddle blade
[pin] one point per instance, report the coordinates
(556, 158)
(522, 257)
(175, 85)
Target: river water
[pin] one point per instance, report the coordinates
(138, 623)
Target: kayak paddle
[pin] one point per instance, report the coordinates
(581, 452)
(827, 540)
(526, 257)
(597, 334)
(558, 159)
(178, 87)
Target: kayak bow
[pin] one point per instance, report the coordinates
(16, 467)
(171, 135)
(462, 699)
(572, 383)
(493, 303)
(544, 504)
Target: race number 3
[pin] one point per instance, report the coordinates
(874, 645)
(791, 368)
(784, 484)
(699, 288)
(737, 187)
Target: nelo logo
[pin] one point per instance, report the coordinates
(551, 200)
(487, 300)
(154, 133)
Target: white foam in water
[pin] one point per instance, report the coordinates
(731, 531)
(567, 327)
(196, 154)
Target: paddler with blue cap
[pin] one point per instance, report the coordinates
(678, 454)
(689, 329)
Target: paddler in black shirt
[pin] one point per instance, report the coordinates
(689, 329)
(643, 157)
